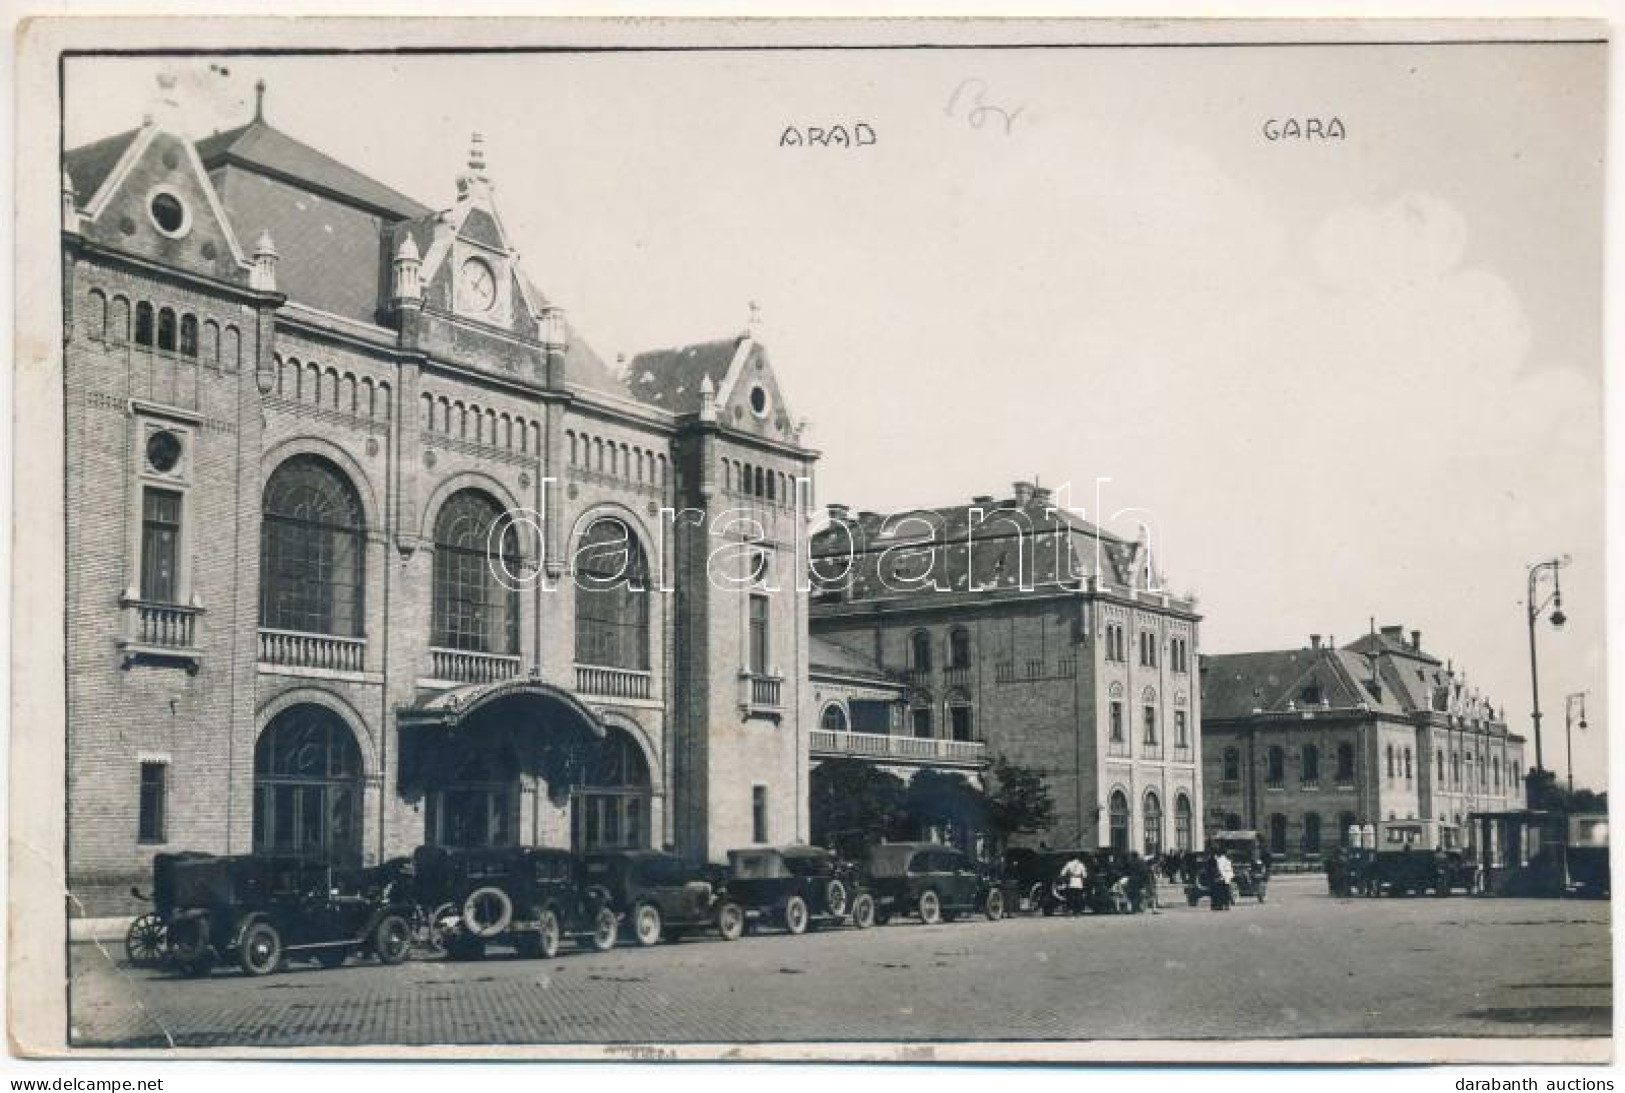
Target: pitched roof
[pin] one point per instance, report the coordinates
(1390, 639)
(838, 659)
(90, 164)
(258, 146)
(671, 378)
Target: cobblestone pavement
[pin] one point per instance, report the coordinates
(1302, 965)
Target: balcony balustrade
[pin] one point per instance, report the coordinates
(605, 682)
(909, 749)
(323, 652)
(467, 666)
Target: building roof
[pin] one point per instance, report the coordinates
(90, 164)
(672, 378)
(260, 147)
(831, 657)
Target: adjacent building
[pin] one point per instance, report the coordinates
(1302, 744)
(1012, 628)
(367, 543)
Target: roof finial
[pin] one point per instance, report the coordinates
(476, 156)
(259, 99)
(753, 328)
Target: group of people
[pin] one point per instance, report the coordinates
(1134, 886)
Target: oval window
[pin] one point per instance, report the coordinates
(758, 400)
(168, 213)
(163, 451)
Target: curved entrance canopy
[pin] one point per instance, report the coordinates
(451, 709)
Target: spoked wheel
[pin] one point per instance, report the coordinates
(863, 911)
(994, 907)
(605, 928)
(434, 934)
(392, 940)
(646, 925)
(144, 942)
(550, 935)
(835, 897)
(731, 921)
(930, 908)
(259, 950)
(795, 915)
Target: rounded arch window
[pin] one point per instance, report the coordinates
(1119, 820)
(833, 719)
(312, 548)
(1151, 810)
(1183, 835)
(476, 605)
(308, 787)
(919, 645)
(611, 803)
(612, 598)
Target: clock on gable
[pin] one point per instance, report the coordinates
(476, 285)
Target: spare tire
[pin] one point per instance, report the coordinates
(835, 897)
(487, 912)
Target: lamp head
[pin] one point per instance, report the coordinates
(1558, 618)
(1582, 724)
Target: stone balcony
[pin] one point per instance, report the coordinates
(599, 681)
(916, 751)
(322, 653)
(160, 632)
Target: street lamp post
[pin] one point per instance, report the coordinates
(1534, 610)
(1568, 727)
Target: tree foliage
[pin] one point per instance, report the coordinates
(1018, 802)
(853, 805)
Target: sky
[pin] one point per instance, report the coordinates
(1352, 379)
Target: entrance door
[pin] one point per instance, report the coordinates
(307, 787)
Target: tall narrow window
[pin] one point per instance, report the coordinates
(760, 648)
(1345, 764)
(160, 545)
(1182, 823)
(311, 550)
(1151, 818)
(1275, 773)
(758, 814)
(1117, 722)
(959, 648)
(188, 335)
(1278, 834)
(154, 801)
(1181, 731)
(143, 324)
(1150, 713)
(959, 718)
(612, 598)
(166, 329)
(1311, 833)
(920, 652)
(474, 609)
(920, 718)
(1119, 820)
(1310, 775)
(1232, 765)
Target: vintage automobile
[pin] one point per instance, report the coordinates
(797, 887)
(662, 896)
(531, 898)
(1037, 877)
(262, 910)
(935, 882)
(1586, 850)
(1411, 857)
(1252, 871)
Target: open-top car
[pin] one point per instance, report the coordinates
(262, 910)
(935, 882)
(1251, 872)
(797, 887)
(531, 898)
(662, 896)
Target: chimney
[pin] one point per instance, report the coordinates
(1397, 633)
(555, 340)
(838, 511)
(1314, 641)
(1416, 640)
(1024, 492)
(981, 499)
(1042, 495)
(262, 276)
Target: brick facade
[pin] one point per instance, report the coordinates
(301, 312)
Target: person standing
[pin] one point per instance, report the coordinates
(1226, 875)
(1074, 881)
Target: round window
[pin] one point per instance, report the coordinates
(758, 400)
(163, 451)
(168, 213)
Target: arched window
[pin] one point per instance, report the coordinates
(959, 648)
(166, 329)
(1232, 765)
(188, 335)
(833, 718)
(1183, 835)
(612, 797)
(1345, 764)
(1311, 833)
(1151, 815)
(1119, 820)
(1277, 834)
(1275, 771)
(477, 803)
(118, 321)
(308, 787)
(312, 548)
(474, 609)
(144, 324)
(919, 646)
(919, 716)
(95, 314)
(612, 598)
(1309, 775)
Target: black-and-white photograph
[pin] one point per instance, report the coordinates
(989, 538)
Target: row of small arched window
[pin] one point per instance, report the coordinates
(160, 328)
(616, 459)
(762, 483)
(1150, 821)
(451, 417)
(312, 570)
(309, 382)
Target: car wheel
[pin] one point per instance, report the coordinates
(549, 935)
(795, 915)
(835, 898)
(605, 929)
(646, 925)
(1261, 892)
(487, 912)
(392, 940)
(994, 907)
(144, 941)
(259, 949)
(930, 907)
(731, 921)
(863, 911)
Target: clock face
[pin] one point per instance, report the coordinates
(479, 285)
